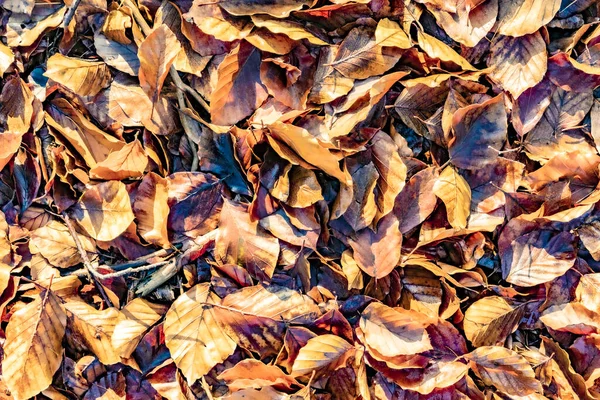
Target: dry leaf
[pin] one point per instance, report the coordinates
(33, 346)
(377, 253)
(455, 192)
(490, 320)
(104, 210)
(192, 316)
(157, 53)
(85, 78)
(504, 369)
(322, 354)
(393, 332)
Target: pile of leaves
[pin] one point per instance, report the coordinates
(300, 199)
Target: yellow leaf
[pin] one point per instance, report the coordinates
(95, 328)
(139, 316)
(455, 192)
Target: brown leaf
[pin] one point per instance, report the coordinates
(128, 162)
(417, 200)
(85, 78)
(157, 53)
(195, 200)
(91, 143)
(360, 56)
(490, 320)
(281, 9)
(322, 354)
(519, 63)
(239, 91)
(538, 257)
(104, 210)
(151, 209)
(378, 253)
(254, 374)
(192, 334)
(487, 122)
(33, 345)
(505, 369)
(241, 240)
(571, 317)
(394, 332)
(309, 149)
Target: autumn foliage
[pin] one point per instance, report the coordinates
(300, 199)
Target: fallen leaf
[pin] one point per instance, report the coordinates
(322, 354)
(504, 369)
(239, 91)
(241, 240)
(490, 320)
(34, 333)
(393, 332)
(192, 316)
(519, 63)
(455, 192)
(378, 253)
(104, 210)
(488, 122)
(85, 78)
(157, 53)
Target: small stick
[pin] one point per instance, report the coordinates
(117, 274)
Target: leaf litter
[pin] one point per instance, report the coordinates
(333, 199)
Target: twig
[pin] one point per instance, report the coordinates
(70, 14)
(92, 272)
(123, 272)
(141, 260)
